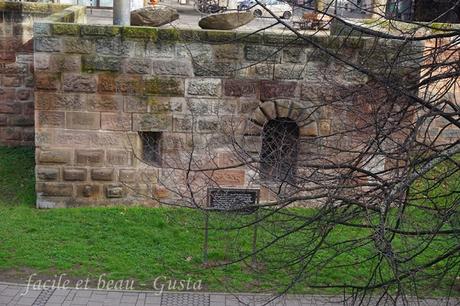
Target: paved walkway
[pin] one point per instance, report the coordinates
(15, 294)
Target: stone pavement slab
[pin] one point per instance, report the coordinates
(17, 294)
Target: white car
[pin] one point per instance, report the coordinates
(279, 8)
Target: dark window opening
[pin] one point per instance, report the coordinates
(151, 147)
(279, 150)
(443, 11)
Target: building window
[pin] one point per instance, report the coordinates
(447, 11)
(151, 147)
(278, 157)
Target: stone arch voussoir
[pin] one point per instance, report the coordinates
(287, 108)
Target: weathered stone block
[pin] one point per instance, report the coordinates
(135, 104)
(164, 86)
(89, 191)
(104, 103)
(138, 65)
(58, 101)
(116, 121)
(47, 174)
(309, 130)
(148, 176)
(64, 63)
(294, 55)
(152, 122)
(89, 157)
(125, 84)
(20, 120)
(74, 174)
(47, 44)
(84, 121)
(91, 63)
(231, 177)
(55, 156)
(46, 81)
(127, 175)
(51, 119)
(172, 67)
(288, 71)
(113, 191)
(204, 87)
(183, 124)
(3, 119)
(277, 89)
(228, 51)
(41, 61)
(200, 107)
(55, 189)
(11, 81)
(208, 125)
(261, 53)
(240, 88)
(119, 157)
(77, 45)
(102, 174)
(11, 133)
(79, 83)
(24, 94)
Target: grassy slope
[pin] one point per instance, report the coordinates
(141, 243)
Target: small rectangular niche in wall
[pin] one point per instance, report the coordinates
(151, 147)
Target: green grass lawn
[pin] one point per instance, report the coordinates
(144, 243)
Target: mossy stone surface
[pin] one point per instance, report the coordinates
(140, 32)
(164, 86)
(65, 28)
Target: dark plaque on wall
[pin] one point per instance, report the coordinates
(231, 199)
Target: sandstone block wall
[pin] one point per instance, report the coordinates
(98, 89)
(16, 67)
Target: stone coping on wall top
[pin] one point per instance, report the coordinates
(374, 26)
(50, 28)
(32, 7)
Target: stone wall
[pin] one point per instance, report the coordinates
(99, 88)
(16, 66)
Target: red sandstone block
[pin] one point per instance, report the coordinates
(230, 177)
(79, 83)
(10, 108)
(46, 81)
(51, 119)
(10, 133)
(28, 135)
(240, 88)
(7, 56)
(104, 103)
(116, 121)
(277, 89)
(28, 109)
(124, 84)
(7, 95)
(12, 81)
(3, 119)
(20, 120)
(59, 101)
